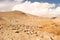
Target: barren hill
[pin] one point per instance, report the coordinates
(16, 25)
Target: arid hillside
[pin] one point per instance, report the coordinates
(16, 25)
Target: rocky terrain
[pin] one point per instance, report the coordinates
(16, 25)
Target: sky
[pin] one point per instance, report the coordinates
(44, 8)
(8, 4)
(49, 1)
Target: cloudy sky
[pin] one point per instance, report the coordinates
(49, 1)
(8, 4)
(45, 8)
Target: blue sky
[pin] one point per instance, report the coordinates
(48, 6)
(8, 4)
(49, 1)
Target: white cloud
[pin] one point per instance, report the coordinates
(2, 5)
(39, 9)
(19, 0)
(36, 8)
(6, 5)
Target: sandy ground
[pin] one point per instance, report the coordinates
(17, 25)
